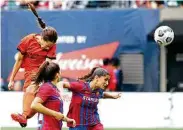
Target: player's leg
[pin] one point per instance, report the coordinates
(28, 97)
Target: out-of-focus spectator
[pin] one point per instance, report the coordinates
(82, 4)
(3, 3)
(112, 82)
(17, 86)
(99, 4)
(1, 83)
(122, 4)
(77, 4)
(22, 3)
(118, 73)
(39, 4)
(172, 3)
(9, 4)
(180, 3)
(143, 4)
(57, 4)
(157, 4)
(150, 4)
(44, 4)
(3, 86)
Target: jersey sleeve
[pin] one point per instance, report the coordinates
(44, 92)
(76, 86)
(52, 52)
(23, 45)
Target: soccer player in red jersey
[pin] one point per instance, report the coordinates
(113, 80)
(33, 49)
(85, 97)
(48, 100)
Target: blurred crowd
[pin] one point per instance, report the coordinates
(83, 4)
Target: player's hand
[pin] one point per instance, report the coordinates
(11, 85)
(72, 121)
(116, 96)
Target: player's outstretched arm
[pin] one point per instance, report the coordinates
(111, 96)
(63, 84)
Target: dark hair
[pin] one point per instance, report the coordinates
(48, 33)
(95, 71)
(46, 72)
(106, 61)
(115, 61)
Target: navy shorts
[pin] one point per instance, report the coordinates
(94, 127)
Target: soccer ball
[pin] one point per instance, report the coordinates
(163, 35)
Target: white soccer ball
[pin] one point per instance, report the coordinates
(163, 35)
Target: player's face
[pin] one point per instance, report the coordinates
(58, 76)
(46, 45)
(103, 81)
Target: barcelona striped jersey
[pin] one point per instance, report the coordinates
(83, 106)
(52, 100)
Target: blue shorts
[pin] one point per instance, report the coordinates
(95, 127)
(79, 128)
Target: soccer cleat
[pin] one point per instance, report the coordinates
(20, 119)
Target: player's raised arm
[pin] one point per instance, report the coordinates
(66, 85)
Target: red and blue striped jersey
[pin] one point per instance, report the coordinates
(83, 106)
(52, 100)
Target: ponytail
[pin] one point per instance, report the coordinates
(88, 76)
(39, 77)
(40, 21)
(48, 33)
(95, 71)
(46, 73)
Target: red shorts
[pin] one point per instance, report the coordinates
(28, 78)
